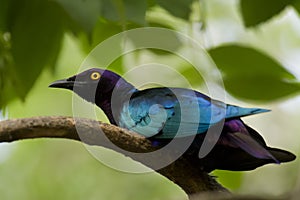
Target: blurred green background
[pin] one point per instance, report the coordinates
(255, 45)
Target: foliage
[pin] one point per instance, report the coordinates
(31, 34)
(256, 11)
(243, 65)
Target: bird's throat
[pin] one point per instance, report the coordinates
(113, 101)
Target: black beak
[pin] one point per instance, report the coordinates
(64, 83)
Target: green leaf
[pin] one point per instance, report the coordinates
(257, 11)
(118, 16)
(160, 39)
(124, 11)
(135, 11)
(105, 29)
(3, 15)
(84, 13)
(252, 75)
(229, 179)
(296, 4)
(36, 34)
(191, 74)
(180, 8)
(6, 65)
(260, 88)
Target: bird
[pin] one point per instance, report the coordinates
(162, 114)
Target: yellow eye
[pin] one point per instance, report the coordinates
(95, 75)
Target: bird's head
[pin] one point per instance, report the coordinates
(93, 84)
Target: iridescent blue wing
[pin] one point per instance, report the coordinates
(176, 112)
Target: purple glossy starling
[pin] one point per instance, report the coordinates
(157, 113)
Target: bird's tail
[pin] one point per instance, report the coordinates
(251, 146)
(281, 155)
(244, 151)
(228, 158)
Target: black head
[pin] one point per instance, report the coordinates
(93, 85)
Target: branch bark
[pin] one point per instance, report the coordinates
(182, 172)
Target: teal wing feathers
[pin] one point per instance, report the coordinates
(176, 112)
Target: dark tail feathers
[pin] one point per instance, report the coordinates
(235, 159)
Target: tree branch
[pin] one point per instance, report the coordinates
(189, 177)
